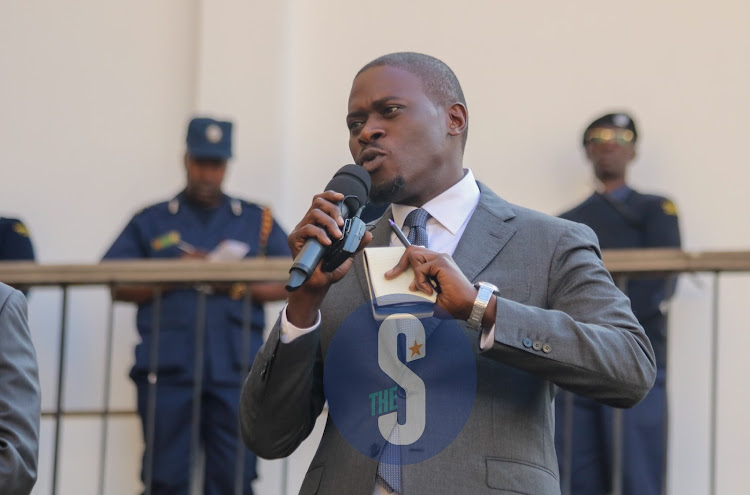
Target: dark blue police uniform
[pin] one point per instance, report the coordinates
(15, 242)
(626, 219)
(167, 230)
(156, 232)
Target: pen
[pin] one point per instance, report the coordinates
(399, 234)
(406, 243)
(186, 248)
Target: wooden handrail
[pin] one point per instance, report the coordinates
(169, 271)
(632, 262)
(663, 261)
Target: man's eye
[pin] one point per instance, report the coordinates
(354, 124)
(390, 109)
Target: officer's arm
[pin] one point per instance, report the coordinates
(140, 294)
(663, 230)
(273, 291)
(268, 291)
(662, 226)
(130, 244)
(136, 294)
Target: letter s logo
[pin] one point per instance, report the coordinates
(412, 328)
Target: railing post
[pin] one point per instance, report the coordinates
(153, 377)
(60, 387)
(239, 470)
(617, 420)
(714, 383)
(106, 392)
(195, 430)
(566, 472)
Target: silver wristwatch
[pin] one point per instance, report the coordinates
(485, 292)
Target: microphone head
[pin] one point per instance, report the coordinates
(351, 180)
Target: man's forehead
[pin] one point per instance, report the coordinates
(384, 81)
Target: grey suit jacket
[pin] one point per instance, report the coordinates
(20, 398)
(554, 291)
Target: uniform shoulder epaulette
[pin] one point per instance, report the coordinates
(266, 226)
(151, 207)
(251, 204)
(665, 205)
(668, 207)
(16, 225)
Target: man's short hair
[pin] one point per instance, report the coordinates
(438, 80)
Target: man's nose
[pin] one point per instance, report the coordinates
(371, 132)
(609, 145)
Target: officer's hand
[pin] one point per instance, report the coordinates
(456, 294)
(323, 221)
(194, 255)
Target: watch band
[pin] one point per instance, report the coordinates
(484, 294)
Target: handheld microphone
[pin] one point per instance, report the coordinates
(354, 183)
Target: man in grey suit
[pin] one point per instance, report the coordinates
(20, 398)
(533, 300)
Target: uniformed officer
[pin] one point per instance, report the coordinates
(191, 225)
(15, 243)
(623, 218)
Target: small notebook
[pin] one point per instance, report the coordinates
(393, 296)
(229, 250)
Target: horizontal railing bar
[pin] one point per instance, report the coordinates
(146, 272)
(89, 413)
(661, 260)
(172, 271)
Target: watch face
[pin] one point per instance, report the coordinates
(488, 285)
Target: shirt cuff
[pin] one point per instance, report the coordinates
(290, 332)
(486, 339)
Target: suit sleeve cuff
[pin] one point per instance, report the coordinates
(290, 332)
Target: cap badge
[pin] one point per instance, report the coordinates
(621, 120)
(214, 133)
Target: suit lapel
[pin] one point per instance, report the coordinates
(485, 235)
(381, 236)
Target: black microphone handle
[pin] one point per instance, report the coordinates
(307, 259)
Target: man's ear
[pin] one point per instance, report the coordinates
(458, 119)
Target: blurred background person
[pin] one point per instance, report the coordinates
(201, 222)
(20, 397)
(623, 218)
(15, 243)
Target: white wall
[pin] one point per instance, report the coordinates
(94, 98)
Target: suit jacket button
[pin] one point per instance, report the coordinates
(537, 345)
(547, 348)
(527, 342)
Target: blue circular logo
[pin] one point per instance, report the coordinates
(407, 378)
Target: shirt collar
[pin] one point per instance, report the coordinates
(620, 194)
(451, 208)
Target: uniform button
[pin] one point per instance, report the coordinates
(374, 450)
(547, 348)
(401, 393)
(527, 342)
(537, 345)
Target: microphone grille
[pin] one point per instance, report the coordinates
(351, 180)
